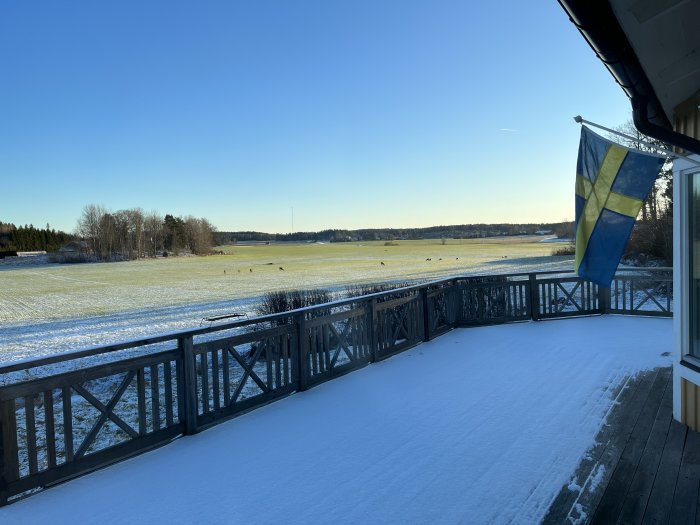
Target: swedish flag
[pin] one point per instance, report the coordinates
(611, 184)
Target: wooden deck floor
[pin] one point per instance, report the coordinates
(645, 467)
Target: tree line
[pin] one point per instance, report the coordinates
(133, 233)
(462, 231)
(28, 238)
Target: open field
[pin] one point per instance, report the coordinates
(55, 307)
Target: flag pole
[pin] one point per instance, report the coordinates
(672, 154)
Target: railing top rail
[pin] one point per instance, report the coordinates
(29, 363)
(645, 269)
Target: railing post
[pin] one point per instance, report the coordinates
(373, 339)
(189, 390)
(426, 314)
(534, 297)
(9, 467)
(604, 300)
(459, 311)
(301, 354)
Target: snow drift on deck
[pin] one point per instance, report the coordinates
(482, 425)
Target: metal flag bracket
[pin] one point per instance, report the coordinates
(671, 154)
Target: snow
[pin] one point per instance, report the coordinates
(596, 478)
(481, 425)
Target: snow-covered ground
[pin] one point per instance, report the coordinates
(35, 339)
(482, 425)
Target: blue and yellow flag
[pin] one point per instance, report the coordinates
(611, 184)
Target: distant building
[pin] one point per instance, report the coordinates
(74, 251)
(74, 247)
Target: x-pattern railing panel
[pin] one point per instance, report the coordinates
(65, 420)
(398, 324)
(442, 308)
(337, 342)
(560, 297)
(233, 372)
(106, 413)
(642, 295)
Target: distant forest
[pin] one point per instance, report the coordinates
(30, 239)
(147, 234)
(463, 231)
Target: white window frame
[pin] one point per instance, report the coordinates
(684, 365)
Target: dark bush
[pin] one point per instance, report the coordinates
(565, 249)
(285, 300)
(358, 290)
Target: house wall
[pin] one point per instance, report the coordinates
(687, 117)
(686, 371)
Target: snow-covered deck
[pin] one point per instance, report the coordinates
(481, 425)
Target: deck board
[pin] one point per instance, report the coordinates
(613, 497)
(609, 445)
(685, 498)
(649, 463)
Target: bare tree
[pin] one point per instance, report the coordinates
(199, 235)
(153, 232)
(89, 225)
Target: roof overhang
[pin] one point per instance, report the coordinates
(651, 48)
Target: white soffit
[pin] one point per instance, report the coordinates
(665, 36)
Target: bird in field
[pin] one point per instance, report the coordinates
(281, 269)
(382, 263)
(428, 259)
(440, 259)
(251, 270)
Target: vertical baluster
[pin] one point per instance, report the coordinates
(277, 361)
(155, 397)
(285, 359)
(67, 422)
(354, 339)
(141, 394)
(269, 350)
(313, 350)
(384, 338)
(168, 386)
(327, 347)
(31, 433)
(181, 390)
(302, 354)
(50, 429)
(216, 392)
(227, 376)
(204, 371)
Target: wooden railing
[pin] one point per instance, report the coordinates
(67, 414)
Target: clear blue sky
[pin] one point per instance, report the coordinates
(357, 113)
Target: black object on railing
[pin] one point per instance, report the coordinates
(132, 404)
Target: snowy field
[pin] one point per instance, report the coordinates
(481, 425)
(54, 308)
